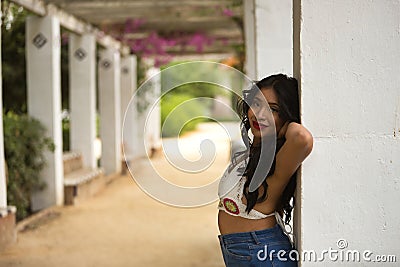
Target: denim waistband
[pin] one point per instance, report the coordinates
(251, 236)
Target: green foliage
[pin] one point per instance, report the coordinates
(65, 133)
(196, 89)
(14, 62)
(13, 57)
(199, 89)
(24, 147)
(185, 92)
(180, 118)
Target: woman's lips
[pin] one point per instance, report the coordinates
(259, 126)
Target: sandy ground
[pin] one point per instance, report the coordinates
(123, 226)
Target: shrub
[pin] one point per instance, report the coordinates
(65, 132)
(24, 147)
(180, 117)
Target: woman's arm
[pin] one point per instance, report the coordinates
(297, 147)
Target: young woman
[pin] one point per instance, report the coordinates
(250, 222)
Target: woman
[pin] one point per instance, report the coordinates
(252, 231)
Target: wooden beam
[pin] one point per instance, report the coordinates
(71, 22)
(148, 15)
(168, 25)
(196, 56)
(234, 34)
(144, 3)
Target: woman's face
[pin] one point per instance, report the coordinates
(261, 119)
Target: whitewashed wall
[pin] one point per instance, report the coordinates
(347, 56)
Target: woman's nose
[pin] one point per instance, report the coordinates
(264, 114)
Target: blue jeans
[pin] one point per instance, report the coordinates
(268, 247)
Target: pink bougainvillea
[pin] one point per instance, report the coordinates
(227, 12)
(156, 46)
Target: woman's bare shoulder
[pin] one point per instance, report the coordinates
(297, 132)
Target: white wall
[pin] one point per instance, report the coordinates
(347, 57)
(273, 30)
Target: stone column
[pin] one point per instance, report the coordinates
(268, 32)
(44, 100)
(250, 38)
(82, 73)
(152, 136)
(109, 71)
(128, 88)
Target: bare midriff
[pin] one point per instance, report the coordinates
(229, 224)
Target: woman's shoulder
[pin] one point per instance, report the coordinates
(298, 132)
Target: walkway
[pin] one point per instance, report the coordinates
(122, 226)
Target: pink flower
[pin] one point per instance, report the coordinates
(227, 12)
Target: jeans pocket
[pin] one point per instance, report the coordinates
(238, 251)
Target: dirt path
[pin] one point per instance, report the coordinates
(122, 226)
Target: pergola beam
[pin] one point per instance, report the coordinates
(71, 22)
(144, 3)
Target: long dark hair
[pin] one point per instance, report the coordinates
(286, 89)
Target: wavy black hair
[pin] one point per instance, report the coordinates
(286, 89)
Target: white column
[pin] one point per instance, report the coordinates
(250, 38)
(128, 87)
(153, 126)
(273, 37)
(44, 100)
(82, 73)
(3, 185)
(348, 65)
(110, 110)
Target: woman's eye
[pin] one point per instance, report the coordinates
(274, 110)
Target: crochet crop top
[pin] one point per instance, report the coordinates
(230, 192)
